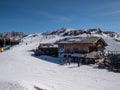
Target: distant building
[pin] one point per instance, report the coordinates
(47, 49)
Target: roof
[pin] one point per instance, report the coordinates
(91, 55)
(81, 40)
(77, 55)
(47, 45)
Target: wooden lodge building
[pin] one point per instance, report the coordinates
(79, 46)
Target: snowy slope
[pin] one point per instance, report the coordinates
(20, 70)
(112, 44)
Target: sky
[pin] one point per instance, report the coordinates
(36, 16)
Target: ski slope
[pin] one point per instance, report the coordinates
(20, 70)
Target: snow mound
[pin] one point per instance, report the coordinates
(11, 86)
(20, 85)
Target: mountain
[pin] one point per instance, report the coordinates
(111, 38)
(12, 35)
(73, 32)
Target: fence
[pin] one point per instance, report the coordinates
(113, 52)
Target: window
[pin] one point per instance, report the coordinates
(61, 49)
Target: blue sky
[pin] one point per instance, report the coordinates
(31, 16)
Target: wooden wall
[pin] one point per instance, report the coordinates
(83, 47)
(78, 48)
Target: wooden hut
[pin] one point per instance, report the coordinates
(81, 45)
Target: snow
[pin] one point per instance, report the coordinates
(21, 70)
(112, 44)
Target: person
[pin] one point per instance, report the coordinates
(66, 61)
(78, 61)
(69, 60)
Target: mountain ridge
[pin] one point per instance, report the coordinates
(74, 32)
(12, 35)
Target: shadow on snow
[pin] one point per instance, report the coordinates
(50, 59)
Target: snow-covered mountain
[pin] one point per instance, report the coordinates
(112, 38)
(73, 32)
(20, 70)
(12, 35)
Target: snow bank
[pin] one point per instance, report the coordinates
(10, 86)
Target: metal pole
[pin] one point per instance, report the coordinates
(4, 39)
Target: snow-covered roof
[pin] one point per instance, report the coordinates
(92, 55)
(81, 40)
(48, 45)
